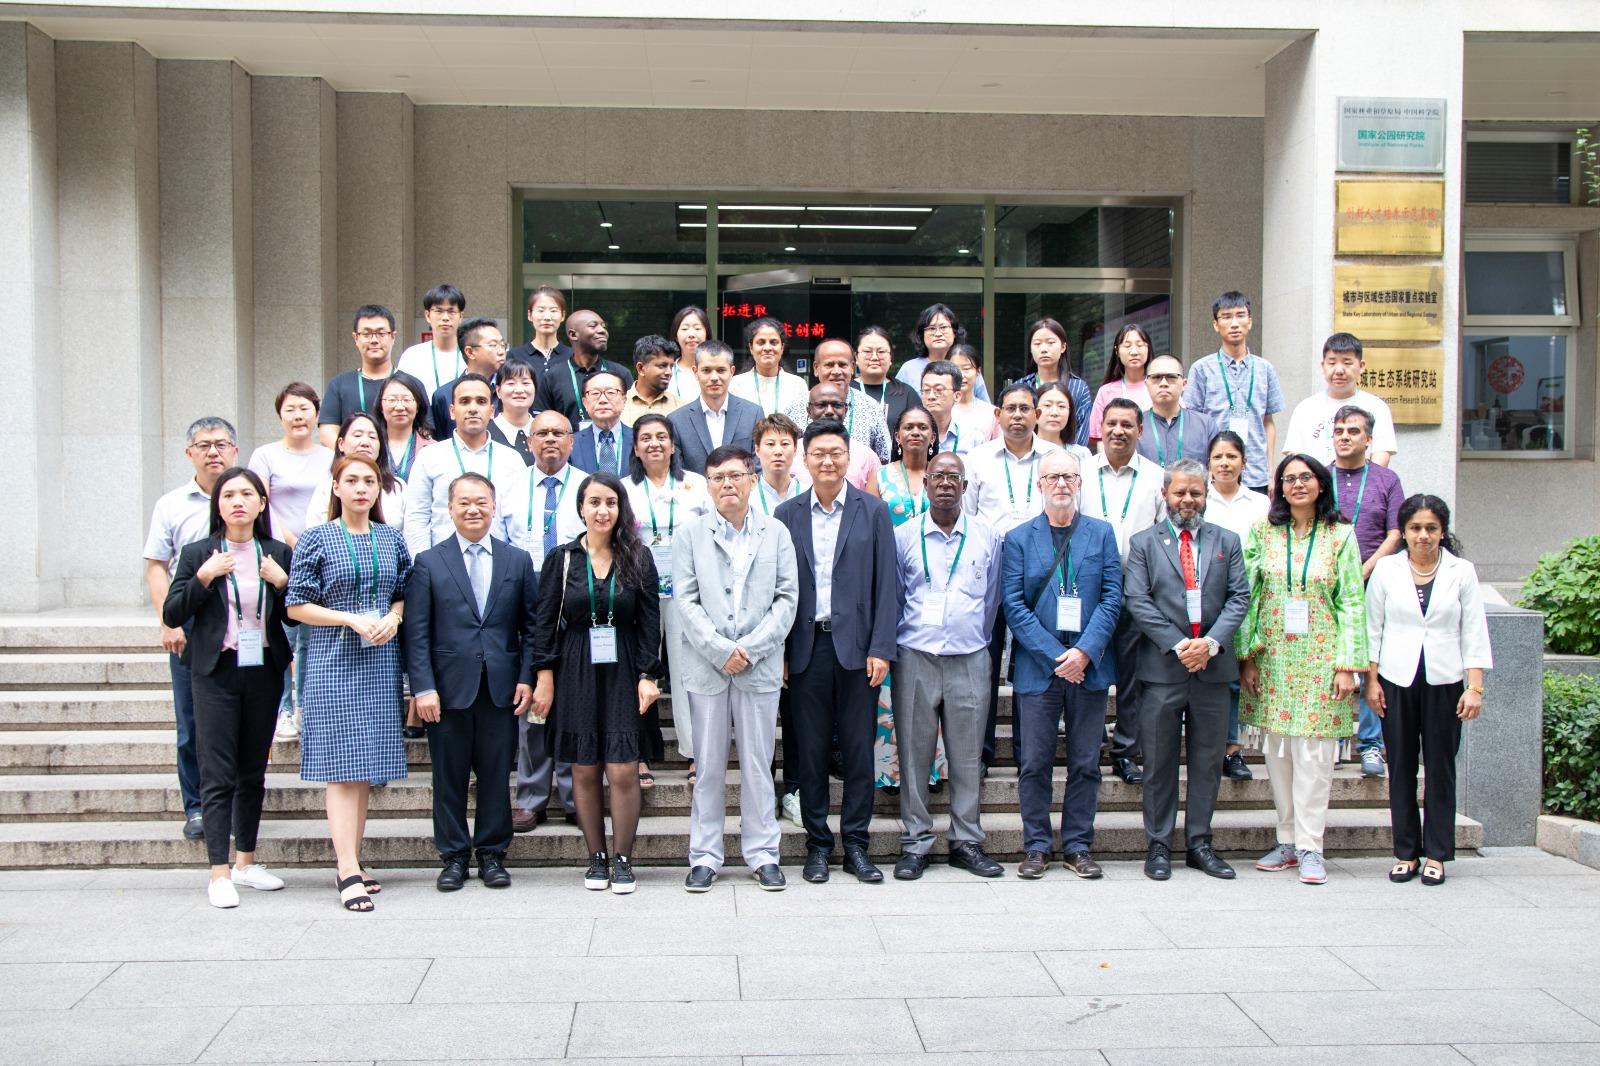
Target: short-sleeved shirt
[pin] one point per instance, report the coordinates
(431, 367)
(1187, 436)
(350, 392)
(1380, 503)
(1226, 388)
(292, 479)
(561, 389)
(181, 517)
(1138, 392)
(1311, 425)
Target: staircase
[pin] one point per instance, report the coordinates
(88, 778)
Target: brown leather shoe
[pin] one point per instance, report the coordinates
(525, 821)
(1080, 863)
(1033, 865)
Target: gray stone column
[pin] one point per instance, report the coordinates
(109, 241)
(377, 208)
(1500, 771)
(31, 374)
(464, 212)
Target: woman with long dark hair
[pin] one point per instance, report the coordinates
(403, 417)
(1052, 360)
(597, 653)
(1429, 645)
(1058, 420)
(1130, 354)
(1235, 508)
(230, 586)
(690, 326)
(363, 434)
(1302, 649)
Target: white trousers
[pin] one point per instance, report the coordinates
(752, 717)
(682, 720)
(1301, 772)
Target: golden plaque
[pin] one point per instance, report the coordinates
(1410, 380)
(1388, 218)
(1390, 303)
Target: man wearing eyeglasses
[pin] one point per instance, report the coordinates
(484, 349)
(604, 445)
(561, 386)
(831, 402)
(1172, 431)
(357, 390)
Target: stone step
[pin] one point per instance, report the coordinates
(661, 841)
(75, 709)
(109, 629)
(83, 797)
(77, 669)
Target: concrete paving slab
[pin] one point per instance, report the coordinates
(1532, 1055)
(953, 974)
(618, 979)
(1582, 997)
(1518, 1016)
(450, 1032)
(938, 1058)
(108, 1037)
(736, 936)
(971, 896)
(783, 1027)
(1363, 1055)
(1046, 931)
(1176, 970)
(50, 985)
(1034, 1025)
(423, 938)
(1518, 925)
(289, 982)
(1274, 928)
(1545, 891)
(50, 906)
(46, 880)
(87, 940)
(1480, 965)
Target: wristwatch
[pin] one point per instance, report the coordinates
(1216, 648)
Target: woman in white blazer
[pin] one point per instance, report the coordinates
(1429, 641)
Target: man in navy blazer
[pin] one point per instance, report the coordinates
(1061, 583)
(841, 644)
(469, 651)
(604, 435)
(714, 418)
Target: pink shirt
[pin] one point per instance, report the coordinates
(864, 463)
(248, 577)
(1111, 390)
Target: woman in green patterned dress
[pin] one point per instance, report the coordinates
(1301, 652)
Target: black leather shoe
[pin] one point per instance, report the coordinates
(769, 877)
(1158, 861)
(816, 870)
(570, 816)
(1234, 768)
(1201, 857)
(194, 827)
(856, 862)
(700, 879)
(492, 871)
(910, 866)
(970, 857)
(1128, 770)
(453, 876)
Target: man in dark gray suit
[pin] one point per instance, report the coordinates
(1184, 585)
(841, 644)
(469, 651)
(714, 418)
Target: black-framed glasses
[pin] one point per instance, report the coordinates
(1299, 479)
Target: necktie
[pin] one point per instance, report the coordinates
(550, 501)
(478, 573)
(1186, 557)
(608, 451)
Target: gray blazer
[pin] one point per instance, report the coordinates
(701, 585)
(1152, 592)
(694, 440)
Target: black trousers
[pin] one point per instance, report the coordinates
(1125, 641)
(825, 697)
(235, 712)
(481, 740)
(997, 651)
(789, 780)
(1421, 721)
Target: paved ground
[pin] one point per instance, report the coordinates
(1499, 966)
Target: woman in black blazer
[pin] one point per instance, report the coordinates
(230, 587)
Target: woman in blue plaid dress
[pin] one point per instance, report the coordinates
(348, 583)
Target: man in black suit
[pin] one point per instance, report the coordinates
(841, 644)
(469, 650)
(713, 419)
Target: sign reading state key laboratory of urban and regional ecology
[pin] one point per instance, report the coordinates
(1391, 133)
(1391, 303)
(1410, 380)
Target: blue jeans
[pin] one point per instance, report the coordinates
(1369, 728)
(294, 678)
(1037, 718)
(188, 757)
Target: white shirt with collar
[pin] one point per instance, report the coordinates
(522, 520)
(1003, 504)
(181, 517)
(594, 430)
(825, 526)
(511, 431)
(716, 421)
(1130, 499)
(427, 519)
(740, 544)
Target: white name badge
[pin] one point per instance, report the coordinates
(370, 616)
(1069, 614)
(251, 651)
(662, 554)
(1191, 601)
(932, 608)
(603, 645)
(1297, 618)
(1240, 424)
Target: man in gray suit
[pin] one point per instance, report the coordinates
(735, 580)
(713, 418)
(1184, 585)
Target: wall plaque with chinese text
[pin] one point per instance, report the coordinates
(1391, 133)
(1410, 380)
(1388, 218)
(1390, 303)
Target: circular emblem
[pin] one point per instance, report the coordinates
(1506, 374)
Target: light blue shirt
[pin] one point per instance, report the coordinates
(1208, 392)
(972, 592)
(825, 525)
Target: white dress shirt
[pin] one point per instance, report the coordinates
(740, 544)
(1238, 514)
(1130, 499)
(1003, 504)
(769, 394)
(521, 521)
(716, 421)
(427, 520)
(972, 590)
(825, 523)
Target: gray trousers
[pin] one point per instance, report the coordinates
(1166, 713)
(537, 767)
(677, 648)
(921, 683)
(752, 717)
(1125, 739)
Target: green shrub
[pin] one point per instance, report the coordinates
(1572, 745)
(1566, 587)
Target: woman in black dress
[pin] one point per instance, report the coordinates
(597, 655)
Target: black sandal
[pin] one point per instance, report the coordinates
(372, 886)
(1429, 878)
(1404, 871)
(354, 903)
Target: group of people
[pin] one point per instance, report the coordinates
(512, 552)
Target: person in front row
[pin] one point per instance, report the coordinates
(1184, 584)
(1426, 634)
(735, 584)
(949, 571)
(597, 650)
(469, 651)
(1061, 583)
(840, 646)
(228, 589)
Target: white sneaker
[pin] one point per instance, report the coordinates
(791, 807)
(222, 894)
(257, 877)
(288, 726)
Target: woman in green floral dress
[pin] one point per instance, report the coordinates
(1301, 650)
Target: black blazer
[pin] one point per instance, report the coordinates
(448, 647)
(866, 581)
(554, 391)
(188, 599)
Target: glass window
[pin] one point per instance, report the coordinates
(608, 231)
(1052, 235)
(1090, 319)
(842, 234)
(1514, 392)
(1518, 171)
(1518, 284)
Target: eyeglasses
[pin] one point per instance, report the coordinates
(1017, 409)
(1057, 479)
(399, 399)
(937, 327)
(552, 433)
(205, 447)
(1167, 379)
(942, 478)
(493, 346)
(874, 352)
(1299, 479)
(375, 334)
(728, 479)
(935, 390)
(443, 312)
(611, 392)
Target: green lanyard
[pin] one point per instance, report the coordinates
(433, 353)
(926, 573)
(1011, 493)
(572, 375)
(1360, 492)
(549, 516)
(1222, 366)
(361, 390)
(611, 579)
(350, 546)
(403, 467)
(677, 369)
(919, 502)
(488, 447)
(1288, 549)
(1161, 449)
(672, 509)
(761, 490)
(1070, 577)
(1100, 477)
(261, 589)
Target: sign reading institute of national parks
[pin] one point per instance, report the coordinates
(1389, 303)
(1388, 218)
(1391, 133)
(1410, 380)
